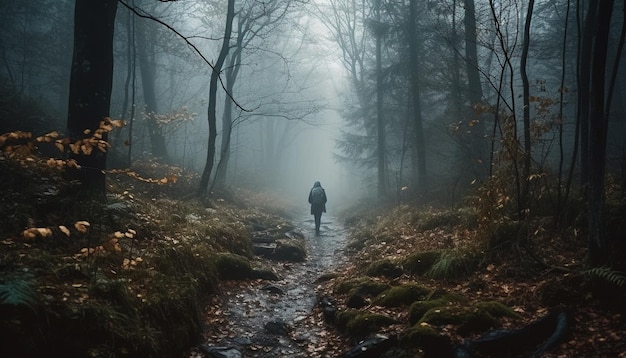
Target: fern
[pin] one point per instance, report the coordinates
(18, 290)
(614, 277)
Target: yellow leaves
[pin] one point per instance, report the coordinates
(16, 136)
(82, 226)
(112, 245)
(47, 232)
(21, 147)
(170, 179)
(36, 233)
(129, 264)
(48, 138)
(65, 230)
(536, 176)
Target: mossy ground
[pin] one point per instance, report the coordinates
(135, 282)
(471, 286)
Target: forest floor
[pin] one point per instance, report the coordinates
(148, 272)
(532, 287)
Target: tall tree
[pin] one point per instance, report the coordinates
(379, 29)
(254, 22)
(90, 85)
(146, 53)
(211, 109)
(598, 124)
(526, 108)
(478, 145)
(416, 107)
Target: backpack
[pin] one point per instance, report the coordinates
(317, 195)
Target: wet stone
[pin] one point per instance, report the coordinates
(221, 352)
(264, 249)
(277, 327)
(273, 289)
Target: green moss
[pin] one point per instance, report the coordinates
(232, 267)
(419, 263)
(384, 268)
(343, 317)
(401, 295)
(422, 336)
(290, 250)
(359, 324)
(361, 285)
(497, 309)
(419, 308)
(469, 319)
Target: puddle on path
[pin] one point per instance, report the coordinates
(245, 313)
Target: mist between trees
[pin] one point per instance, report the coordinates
(420, 102)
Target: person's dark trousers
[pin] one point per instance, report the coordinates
(318, 220)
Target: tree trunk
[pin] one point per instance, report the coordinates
(523, 200)
(584, 78)
(90, 85)
(211, 110)
(147, 65)
(420, 145)
(380, 122)
(478, 145)
(227, 117)
(598, 124)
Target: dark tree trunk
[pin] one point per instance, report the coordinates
(147, 65)
(523, 200)
(227, 118)
(420, 145)
(90, 85)
(478, 144)
(584, 78)
(598, 124)
(211, 110)
(380, 121)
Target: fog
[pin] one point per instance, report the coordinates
(370, 102)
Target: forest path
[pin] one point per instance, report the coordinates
(262, 318)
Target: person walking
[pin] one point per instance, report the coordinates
(317, 199)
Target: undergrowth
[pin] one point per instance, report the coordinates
(127, 277)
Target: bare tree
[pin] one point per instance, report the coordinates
(527, 155)
(211, 109)
(254, 22)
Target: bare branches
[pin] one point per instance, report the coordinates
(143, 14)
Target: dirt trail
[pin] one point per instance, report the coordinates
(273, 319)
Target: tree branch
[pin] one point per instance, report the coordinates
(143, 14)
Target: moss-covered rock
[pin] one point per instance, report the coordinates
(384, 268)
(327, 277)
(419, 308)
(232, 266)
(419, 263)
(364, 285)
(497, 309)
(424, 336)
(359, 324)
(402, 295)
(290, 250)
(469, 319)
